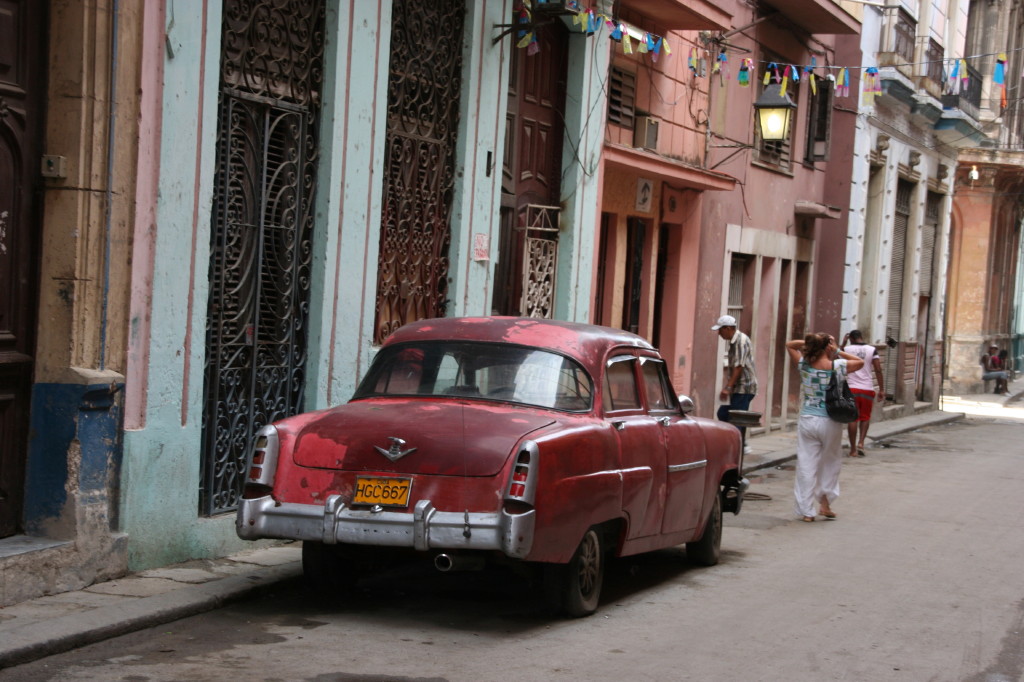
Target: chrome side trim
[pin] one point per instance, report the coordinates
(686, 467)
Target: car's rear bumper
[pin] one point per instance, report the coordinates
(424, 528)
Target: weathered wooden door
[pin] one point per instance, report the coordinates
(22, 89)
(532, 172)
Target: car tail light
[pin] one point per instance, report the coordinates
(522, 484)
(262, 466)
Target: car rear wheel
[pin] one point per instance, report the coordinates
(575, 588)
(707, 549)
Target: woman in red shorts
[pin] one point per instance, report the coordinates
(862, 388)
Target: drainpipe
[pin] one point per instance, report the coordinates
(108, 212)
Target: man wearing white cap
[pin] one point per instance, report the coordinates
(741, 379)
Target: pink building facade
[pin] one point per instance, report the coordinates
(701, 217)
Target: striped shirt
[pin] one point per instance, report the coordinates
(741, 354)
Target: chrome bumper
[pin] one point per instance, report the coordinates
(425, 528)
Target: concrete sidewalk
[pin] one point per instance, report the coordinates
(778, 447)
(49, 625)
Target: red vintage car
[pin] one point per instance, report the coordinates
(548, 443)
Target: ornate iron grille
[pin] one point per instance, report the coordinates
(424, 87)
(260, 251)
(540, 259)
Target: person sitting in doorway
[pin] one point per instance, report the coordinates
(994, 369)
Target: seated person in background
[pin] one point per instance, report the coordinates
(1003, 358)
(994, 370)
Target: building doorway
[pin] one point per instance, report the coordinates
(22, 95)
(531, 183)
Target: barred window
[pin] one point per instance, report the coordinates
(819, 122)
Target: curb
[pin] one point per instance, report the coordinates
(47, 638)
(936, 418)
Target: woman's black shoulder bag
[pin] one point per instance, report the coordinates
(839, 400)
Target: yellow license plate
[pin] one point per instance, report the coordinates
(387, 492)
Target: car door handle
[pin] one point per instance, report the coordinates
(619, 425)
(664, 421)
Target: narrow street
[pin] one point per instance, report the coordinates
(918, 579)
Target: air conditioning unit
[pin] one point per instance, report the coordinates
(645, 133)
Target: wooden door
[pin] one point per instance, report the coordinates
(532, 165)
(22, 88)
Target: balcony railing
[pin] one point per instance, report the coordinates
(968, 99)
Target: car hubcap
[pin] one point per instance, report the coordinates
(590, 563)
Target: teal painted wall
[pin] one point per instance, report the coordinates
(160, 481)
(161, 468)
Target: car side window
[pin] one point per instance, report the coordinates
(620, 388)
(657, 387)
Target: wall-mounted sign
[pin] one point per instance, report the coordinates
(644, 195)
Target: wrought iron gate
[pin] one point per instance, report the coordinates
(271, 71)
(540, 258)
(424, 87)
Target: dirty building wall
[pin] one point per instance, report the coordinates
(72, 485)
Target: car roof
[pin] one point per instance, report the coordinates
(585, 342)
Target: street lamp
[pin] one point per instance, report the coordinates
(774, 113)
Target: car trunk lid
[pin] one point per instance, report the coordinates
(411, 436)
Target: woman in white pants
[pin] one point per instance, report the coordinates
(818, 438)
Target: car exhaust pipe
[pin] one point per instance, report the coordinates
(458, 562)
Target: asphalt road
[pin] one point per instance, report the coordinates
(918, 579)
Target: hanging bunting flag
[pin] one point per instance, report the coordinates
(844, 82)
(627, 44)
(524, 18)
(655, 48)
(616, 33)
(642, 44)
(785, 81)
(999, 78)
(592, 23)
(954, 75)
(773, 68)
(743, 75)
(809, 73)
(691, 61)
(722, 66)
(872, 87)
(664, 44)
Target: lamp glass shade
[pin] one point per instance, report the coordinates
(774, 113)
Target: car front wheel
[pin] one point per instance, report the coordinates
(706, 550)
(576, 587)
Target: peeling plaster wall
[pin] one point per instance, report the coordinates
(71, 514)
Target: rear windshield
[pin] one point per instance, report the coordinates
(488, 371)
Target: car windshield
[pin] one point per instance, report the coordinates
(488, 371)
